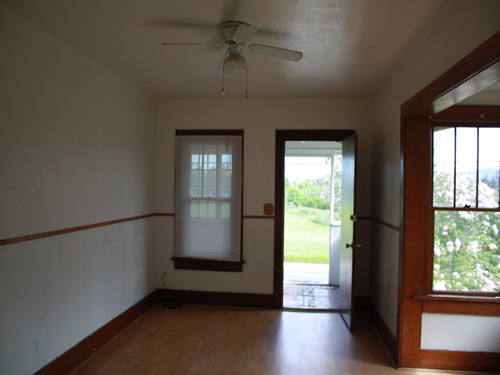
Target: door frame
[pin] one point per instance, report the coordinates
(279, 192)
(476, 71)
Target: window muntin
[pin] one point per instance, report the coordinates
(466, 171)
(208, 197)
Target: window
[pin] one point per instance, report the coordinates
(208, 200)
(466, 208)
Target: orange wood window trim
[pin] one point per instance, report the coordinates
(458, 298)
(479, 69)
(464, 305)
(458, 360)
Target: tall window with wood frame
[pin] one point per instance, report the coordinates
(466, 209)
(208, 200)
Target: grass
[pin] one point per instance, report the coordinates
(306, 241)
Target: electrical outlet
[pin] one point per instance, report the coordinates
(36, 346)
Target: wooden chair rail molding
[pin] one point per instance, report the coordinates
(31, 237)
(36, 236)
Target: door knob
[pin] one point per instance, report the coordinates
(353, 245)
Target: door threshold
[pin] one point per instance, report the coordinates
(310, 309)
(308, 284)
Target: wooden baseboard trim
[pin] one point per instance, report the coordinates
(75, 356)
(220, 298)
(385, 333)
(463, 361)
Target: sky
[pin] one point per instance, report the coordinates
(303, 168)
(489, 148)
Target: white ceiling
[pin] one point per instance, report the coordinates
(350, 46)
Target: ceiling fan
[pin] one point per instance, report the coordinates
(234, 35)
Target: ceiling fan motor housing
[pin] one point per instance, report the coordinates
(227, 30)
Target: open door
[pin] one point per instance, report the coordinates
(282, 136)
(348, 218)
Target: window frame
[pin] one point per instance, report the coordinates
(205, 264)
(457, 116)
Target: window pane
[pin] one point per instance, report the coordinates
(444, 166)
(225, 183)
(203, 210)
(212, 212)
(466, 251)
(196, 183)
(227, 161)
(195, 162)
(195, 205)
(466, 167)
(489, 167)
(226, 210)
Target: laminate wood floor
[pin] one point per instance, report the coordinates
(198, 339)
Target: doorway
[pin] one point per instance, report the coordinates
(313, 171)
(348, 139)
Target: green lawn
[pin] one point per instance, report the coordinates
(305, 240)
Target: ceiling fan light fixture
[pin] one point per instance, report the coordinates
(235, 63)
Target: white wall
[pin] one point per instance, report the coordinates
(465, 26)
(461, 332)
(76, 148)
(259, 118)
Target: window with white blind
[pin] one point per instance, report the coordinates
(208, 200)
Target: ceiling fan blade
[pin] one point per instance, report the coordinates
(281, 53)
(244, 32)
(192, 44)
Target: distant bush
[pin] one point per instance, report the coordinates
(318, 216)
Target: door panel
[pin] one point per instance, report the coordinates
(347, 246)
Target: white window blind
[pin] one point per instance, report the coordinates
(208, 197)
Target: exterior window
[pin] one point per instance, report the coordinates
(208, 200)
(466, 214)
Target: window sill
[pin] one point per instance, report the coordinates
(458, 298)
(200, 264)
(459, 304)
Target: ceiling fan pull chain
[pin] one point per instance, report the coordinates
(246, 83)
(223, 92)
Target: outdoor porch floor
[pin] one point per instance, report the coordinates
(305, 286)
(308, 296)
